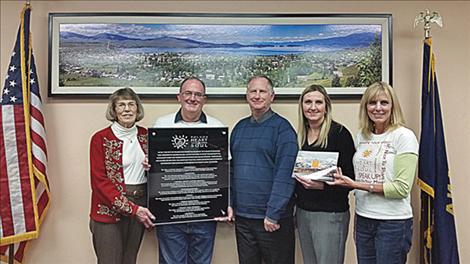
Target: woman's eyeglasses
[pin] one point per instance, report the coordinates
(121, 106)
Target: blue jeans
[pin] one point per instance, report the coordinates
(383, 241)
(255, 244)
(187, 243)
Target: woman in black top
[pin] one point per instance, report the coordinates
(322, 210)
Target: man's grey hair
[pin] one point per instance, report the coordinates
(262, 76)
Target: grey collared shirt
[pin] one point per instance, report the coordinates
(263, 118)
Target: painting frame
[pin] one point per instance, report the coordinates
(223, 20)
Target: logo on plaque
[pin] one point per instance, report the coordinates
(179, 141)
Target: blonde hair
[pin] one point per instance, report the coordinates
(123, 94)
(303, 126)
(366, 125)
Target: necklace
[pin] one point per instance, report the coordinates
(130, 137)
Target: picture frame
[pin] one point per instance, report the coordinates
(93, 54)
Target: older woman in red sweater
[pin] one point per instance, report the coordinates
(118, 181)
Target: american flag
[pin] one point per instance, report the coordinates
(24, 195)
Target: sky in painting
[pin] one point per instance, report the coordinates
(243, 34)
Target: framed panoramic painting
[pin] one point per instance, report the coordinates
(93, 54)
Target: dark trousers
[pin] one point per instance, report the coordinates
(118, 243)
(255, 244)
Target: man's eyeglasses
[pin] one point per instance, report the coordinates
(189, 94)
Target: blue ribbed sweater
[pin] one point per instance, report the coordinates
(263, 157)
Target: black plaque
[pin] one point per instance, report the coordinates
(189, 175)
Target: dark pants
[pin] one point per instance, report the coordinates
(255, 244)
(118, 243)
(383, 241)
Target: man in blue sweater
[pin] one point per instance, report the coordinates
(264, 148)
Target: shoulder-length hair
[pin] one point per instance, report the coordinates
(123, 94)
(303, 126)
(366, 125)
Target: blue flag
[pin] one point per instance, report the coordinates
(437, 216)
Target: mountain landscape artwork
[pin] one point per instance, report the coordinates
(222, 55)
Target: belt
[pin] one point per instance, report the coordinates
(135, 193)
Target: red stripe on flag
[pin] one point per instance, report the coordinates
(5, 209)
(38, 140)
(19, 254)
(37, 114)
(22, 150)
(3, 250)
(39, 165)
(43, 201)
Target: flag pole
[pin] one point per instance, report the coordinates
(426, 219)
(11, 253)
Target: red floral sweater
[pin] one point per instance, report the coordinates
(108, 200)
